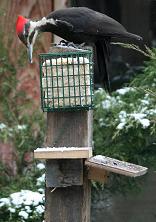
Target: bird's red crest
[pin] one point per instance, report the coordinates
(21, 21)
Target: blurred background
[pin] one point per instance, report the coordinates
(22, 123)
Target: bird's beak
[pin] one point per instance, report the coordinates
(30, 51)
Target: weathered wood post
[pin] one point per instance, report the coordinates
(69, 134)
(70, 201)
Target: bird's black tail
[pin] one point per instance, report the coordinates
(102, 59)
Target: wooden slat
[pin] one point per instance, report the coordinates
(63, 173)
(63, 153)
(116, 166)
(97, 174)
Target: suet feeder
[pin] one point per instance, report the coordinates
(66, 81)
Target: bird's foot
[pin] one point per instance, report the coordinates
(63, 43)
(77, 46)
(71, 44)
(82, 45)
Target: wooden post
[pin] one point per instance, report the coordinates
(68, 203)
(68, 190)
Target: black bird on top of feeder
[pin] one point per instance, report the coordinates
(78, 25)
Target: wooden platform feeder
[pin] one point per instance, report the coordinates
(66, 79)
(99, 165)
(66, 76)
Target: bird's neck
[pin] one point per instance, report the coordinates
(41, 25)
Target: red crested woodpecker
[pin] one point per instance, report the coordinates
(77, 25)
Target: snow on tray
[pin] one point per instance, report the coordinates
(117, 164)
(62, 149)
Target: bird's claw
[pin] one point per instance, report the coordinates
(71, 44)
(63, 43)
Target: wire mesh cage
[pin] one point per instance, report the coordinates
(66, 80)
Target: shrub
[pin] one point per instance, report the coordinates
(125, 125)
(25, 205)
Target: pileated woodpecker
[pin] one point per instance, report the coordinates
(77, 25)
